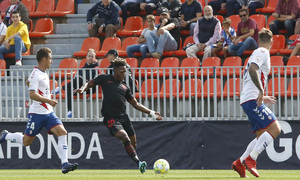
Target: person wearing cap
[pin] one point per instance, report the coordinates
(81, 79)
(191, 11)
(167, 37)
(113, 54)
(107, 21)
(207, 32)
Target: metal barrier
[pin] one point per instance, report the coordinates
(179, 94)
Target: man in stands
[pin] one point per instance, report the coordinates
(107, 21)
(191, 11)
(17, 39)
(247, 32)
(16, 5)
(207, 32)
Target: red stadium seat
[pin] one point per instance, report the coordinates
(277, 61)
(260, 20)
(133, 26)
(30, 5)
(127, 42)
(278, 44)
(133, 63)
(190, 88)
(293, 88)
(149, 88)
(3, 6)
(270, 8)
(232, 87)
(209, 88)
(228, 62)
(208, 66)
(279, 84)
(12, 55)
(168, 88)
(63, 7)
(66, 64)
(109, 43)
(149, 66)
(91, 42)
(2, 66)
(287, 50)
(190, 65)
(235, 20)
(293, 61)
(43, 27)
(182, 52)
(104, 64)
(44, 8)
(170, 62)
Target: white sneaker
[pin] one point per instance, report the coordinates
(69, 114)
(19, 63)
(56, 90)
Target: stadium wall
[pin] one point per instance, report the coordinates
(185, 144)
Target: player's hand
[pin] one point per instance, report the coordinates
(80, 91)
(90, 26)
(269, 100)
(53, 102)
(100, 30)
(159, 117)
(260, 98)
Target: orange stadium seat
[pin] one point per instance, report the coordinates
(44, 8)
(104, 64)
(232, 87)
(133, 63)
(149, 66)
(82, 62)
(209, 89)
(156, 22)
(293, 61)
(287, 50)
(187, 40)
(91, 42)
(190, 88)
(190, 65)
(276, 61)
(169, 62)
(2, 66)
(133, 26)
(3, 6)
(208, 66)
(278, 44)
(149, 88)
(31, 26)
(220, 17)
(270, 8)
(279, 84)
(235, 20)
(259, 9)
(66, 64)
(12, 55)
(109, 43)
(231, 61)
(43, 27)
(30, 5)
(127, 42)
(63, 7)
(260, 20)
(293, 88)
(168, 90)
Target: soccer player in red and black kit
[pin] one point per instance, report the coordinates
(116, 93)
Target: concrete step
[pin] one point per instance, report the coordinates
(76, 18)
(84, 8)
(65, 38)
(59, 49)
(74, 28)
(31, 62)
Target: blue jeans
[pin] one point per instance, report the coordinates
(18, 49)
(165, 42)
(232, 7)
(192, 27)
(238, 50)
(253, 6)
(143, 48)
(289, 25)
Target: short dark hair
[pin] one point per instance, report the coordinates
(242, 10)
(43, 53)
(118, 62)
(16, 12)
(265, 36)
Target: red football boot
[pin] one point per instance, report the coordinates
(239, 168)
(250, 164)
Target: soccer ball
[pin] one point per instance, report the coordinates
(161, 166)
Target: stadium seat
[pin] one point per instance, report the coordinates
(168, 88)
(169, 62)
(189, 65)
(232, 88)
(43, 26)
(148, 88)
(2, 66)
(187, 40)
(44, 8)
(259, 9)
(293, 88)
(220, 17)
(173, 53)
(13, 55)
(156, 22)
(133, 63)
(260, 20)
(287, 50)
(30, 5)
(82, 62)
(293, 65)
(149, 66)
(235, 20)
(133, 26)
(278, 44)
(190, 88)
(209, 89)
(63, 7)
(127, 42)
(229, 62)
(109, 43)
(277, 61)
(90, 42)
(279, 84)
(210, 66)
(270, 8)
(31, 26)
(66, 64)
(104, 64)
(3, 6)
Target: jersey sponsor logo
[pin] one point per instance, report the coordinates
(110, 123)
(123, 86)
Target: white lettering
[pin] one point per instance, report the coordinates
(10, 145)
(1, 153)
(51, 141)
(97, 148)
(42, 148)
(81, 145)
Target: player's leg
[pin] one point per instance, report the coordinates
(56, 127)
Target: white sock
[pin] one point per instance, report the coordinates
(248, 150)
(263, 141)
(15, 137)
(63, 148)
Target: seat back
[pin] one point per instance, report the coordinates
(232, 61)
(209, 87)
(111, 43)
(104, 64)
(3, 6)
(235, 20)
(133, 63)
(187, 40)
(278, 42)
(276, 61)
(295, 82)
(220, 17)
(260, 20)
(68, 63)
(128, 42)
(134, 23)
(149, 63)
(46, 6)
(272, 4)
(2, 66)
(231, 87)
(278, 84)
(44, 25)
(90, 42)
(148, 85)
(166, 85)
(190, 86)
(271, 18)
(172, 62)
(30, 5)
(210, 63)
(65, 6)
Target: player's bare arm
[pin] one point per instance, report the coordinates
(37, 97)
(85, 87)
(254, 77)
(144, 109)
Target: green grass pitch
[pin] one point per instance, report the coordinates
(81, 174)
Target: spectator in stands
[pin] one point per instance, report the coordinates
(295, 46)
(233, 6)
(227, 35)
(247, 32)
(17, 39)
(191, 11)
(207, 32)
(113, 54)
(167, 37)
(142, 46)
(297, 27)
(16, 5)
(107, 21)
(174, 7)
(81, 78)
(3, 30)
(217, 5)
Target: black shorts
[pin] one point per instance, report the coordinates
(114, 124)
